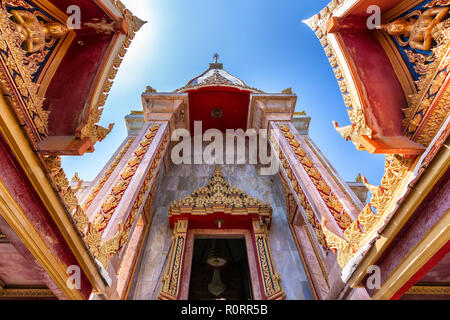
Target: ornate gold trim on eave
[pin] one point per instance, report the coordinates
(218, 196)
(345, 76)
(398, 64)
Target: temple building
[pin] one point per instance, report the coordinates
(218, 192)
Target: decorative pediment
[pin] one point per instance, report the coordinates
(217, 196)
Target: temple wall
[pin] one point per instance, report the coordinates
(179, 182)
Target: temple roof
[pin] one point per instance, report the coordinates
(216, 76)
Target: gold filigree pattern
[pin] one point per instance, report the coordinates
(312, 219)
(16, 80)
(94, 131)
(423, 120)
(218, 196)
(334, 205)
(90, 128)
(396, 169)
(341, 247)
(171, 279)
(105, 213)
(436, 119)
(68, 196)
(86, 204)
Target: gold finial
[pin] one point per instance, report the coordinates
(287, 91)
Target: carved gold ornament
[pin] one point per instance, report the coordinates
(171, 279)
(334, 205)
(396, 169)
(16, 79)
(68, 196)
(341, 247)
(428, 30)
(88, 201)
(271, 279)
(90, 129)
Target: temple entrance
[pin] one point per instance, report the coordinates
(220, 270)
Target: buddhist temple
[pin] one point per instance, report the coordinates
(218, 191)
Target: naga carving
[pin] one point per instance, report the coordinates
(34, 33)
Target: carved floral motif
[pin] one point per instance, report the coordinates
(86, 204)
(100, 250)
(359, 125)
(16, 79)
(67, 194)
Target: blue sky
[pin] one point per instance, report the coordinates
(262, 42)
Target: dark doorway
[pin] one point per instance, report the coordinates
(231, 281)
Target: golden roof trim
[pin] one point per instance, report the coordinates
(91, 129)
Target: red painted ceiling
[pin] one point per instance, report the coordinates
(232, 101)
